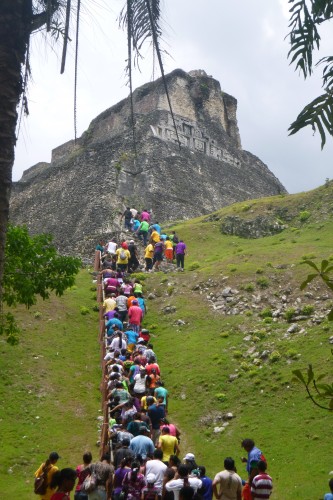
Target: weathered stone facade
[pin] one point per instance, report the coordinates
(78, 196)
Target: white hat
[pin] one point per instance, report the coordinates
(189, 456)
(151, 478)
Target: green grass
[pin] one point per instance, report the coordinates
(49, 389)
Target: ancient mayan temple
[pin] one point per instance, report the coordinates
(78, 196)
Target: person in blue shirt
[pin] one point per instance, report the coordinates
(111, 323)
(253, 454)
(329, 496)
(156, 227)
(132, 338)
(135, 225)
(206, 491)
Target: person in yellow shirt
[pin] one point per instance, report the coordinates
(168, 245)
(168, 444)
(149, 254)
(155, 237)
(51, 468)
(122, 258)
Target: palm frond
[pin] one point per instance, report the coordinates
(318, 114)
(304, 36)
(327, 72)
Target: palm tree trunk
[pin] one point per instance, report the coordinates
(15, 26)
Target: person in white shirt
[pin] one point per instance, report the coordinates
(157, 467)
(176, 485)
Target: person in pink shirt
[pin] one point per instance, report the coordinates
(135, 315)
(145, 215)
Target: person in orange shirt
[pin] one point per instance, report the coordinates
(168, 245)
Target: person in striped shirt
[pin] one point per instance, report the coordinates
(262, 484)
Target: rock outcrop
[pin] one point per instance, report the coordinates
(78, 196)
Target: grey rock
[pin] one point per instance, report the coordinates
(293, 328)
(151, 296)
(226, 292)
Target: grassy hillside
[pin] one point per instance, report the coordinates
(198, 358)
(54, 373)
(49, 388)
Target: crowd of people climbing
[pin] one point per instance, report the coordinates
(142, 458)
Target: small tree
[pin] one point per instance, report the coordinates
(33, 268)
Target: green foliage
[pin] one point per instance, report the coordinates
(221, 397)
(232, 268)
(316, 392)
(37, 315)
(34, 268)
(9, 328)
(139, 276)
(289, 314)
(170, 290)
(263, 282)
(275, 356)
(84, 310)
(193, 266)
(237, 354)
(324, 273)
(307, 310)
(245, 208)
(259, 270)
(249, 287)
(292, 354)
(266, 313)
(304, 215)
(304, 37)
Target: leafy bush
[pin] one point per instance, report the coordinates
(221, 397)
(268, 320)
(289, 314)
(232, 268)
(37, 315)
(249, 287)
(304, 215)
(193, 266)
(237, 354)
(263, 282)
(246, 208)
(292, 354)
(308, 256)
(266, 313)
(139, 276)
(224, 335)
(307, 310)
(84, 310)
(259, 270)
(274, 356)
(170, 290)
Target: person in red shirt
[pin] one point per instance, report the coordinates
(153, 366)
(135, 315)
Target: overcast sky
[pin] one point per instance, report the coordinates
(239, 42)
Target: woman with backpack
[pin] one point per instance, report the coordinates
(44, 475)
(133, 483)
